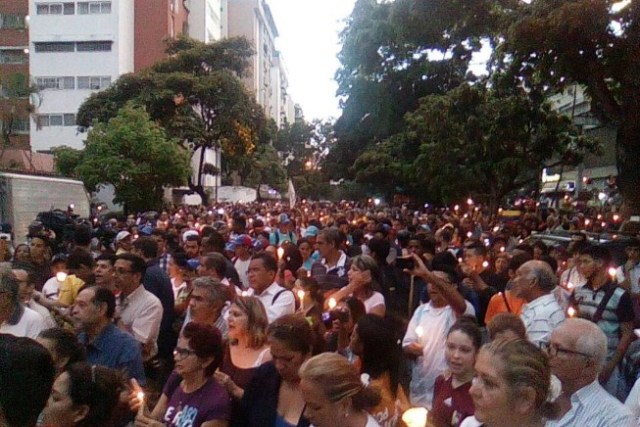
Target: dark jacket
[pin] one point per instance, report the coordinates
(259, 404)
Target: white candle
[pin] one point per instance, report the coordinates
(612, 273)
(420, 333)
(332, 303)
(301, 296)
(61, 276)
(140, 397)
(415, 417)
(572, 312)
(280, 252)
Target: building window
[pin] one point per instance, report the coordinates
(55, 47)
(55, 82)
(94, 82)
(67, 8)
(13, 56)
(94, 7)
(102, 46)
(19, 126)
(11, 21)
(49, 120)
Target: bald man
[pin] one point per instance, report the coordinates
(577, 352)
(534, 282)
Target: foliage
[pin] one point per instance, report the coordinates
(267, 169)
(197, 96)
(551, 44)
(133, 154)
(15, 90)
(487, 143)
(393, 54)
(67, 160)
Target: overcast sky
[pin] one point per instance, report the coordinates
(309, 45)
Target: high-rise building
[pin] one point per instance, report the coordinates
(155, 22)
(207, 19)
(14, 72)
(76, 48)
(253, 20)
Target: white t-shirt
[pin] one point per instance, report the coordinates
(30, 325)
(373, 301)
(434, 324)
(242, 267)
(470, 422)
(51, 288)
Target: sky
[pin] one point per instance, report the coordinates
(309, 44)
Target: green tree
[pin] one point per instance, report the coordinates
(15, 93)
(487, 143)
(197, 96)
(551, 44)
(133, 154)
(266, 168)
(393, 54)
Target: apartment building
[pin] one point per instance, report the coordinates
(155, 22)
(207, 19)
(76, 48)
(14, 72)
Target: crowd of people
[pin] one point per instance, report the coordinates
(336, 315)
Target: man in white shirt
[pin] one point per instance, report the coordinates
(426, 334)
(534, 282)
(577, 353)
(241, 247)
(277, 300)
(26, 288)
(16, 319)
(139, 312)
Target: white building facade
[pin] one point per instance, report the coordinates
(76, 48)
(207, 19)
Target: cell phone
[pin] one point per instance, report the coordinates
(405, 263)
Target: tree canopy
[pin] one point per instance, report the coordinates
(197, 96)
(411, 103)
(133, 154)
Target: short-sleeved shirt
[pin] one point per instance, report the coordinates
(540, 317)
(451, 405)
(210, 402)
(334, 277)
(619, 310)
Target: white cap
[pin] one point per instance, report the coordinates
(122, 235)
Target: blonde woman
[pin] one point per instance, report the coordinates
(334, 393)
(247, 348)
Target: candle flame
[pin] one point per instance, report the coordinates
(419, 331)
(280, 253)
(300, 294)
(332, 303)
(572, 312)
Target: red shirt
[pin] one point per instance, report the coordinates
(450, 405)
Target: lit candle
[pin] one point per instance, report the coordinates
(616, 217)
(332, 303)
(485, 264)
(469, 234)
(61, 276)
(301, 296)
(501, 248)
(415, 417)
(612, 273)
(456, 207)
(572, 312)
(280, 253)
(419, 334)
(140, 397)
(469, 201)
(587, 222)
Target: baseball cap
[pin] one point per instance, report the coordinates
(241, 240)
(284, 219)
(189, 233)
(122, 235)
(311, 231)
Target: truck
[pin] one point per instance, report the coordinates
(24, 196)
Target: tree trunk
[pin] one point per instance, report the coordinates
(199, 189)
(627, 154)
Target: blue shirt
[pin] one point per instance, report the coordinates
(115, 349)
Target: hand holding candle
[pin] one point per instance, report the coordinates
(332, 303)
(140, 397)
(301, 296)
(280, 253)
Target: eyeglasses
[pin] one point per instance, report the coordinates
(553, 350)
(183, 352)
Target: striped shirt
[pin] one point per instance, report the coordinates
(619, 310)
(592, 406)
(540, 317)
